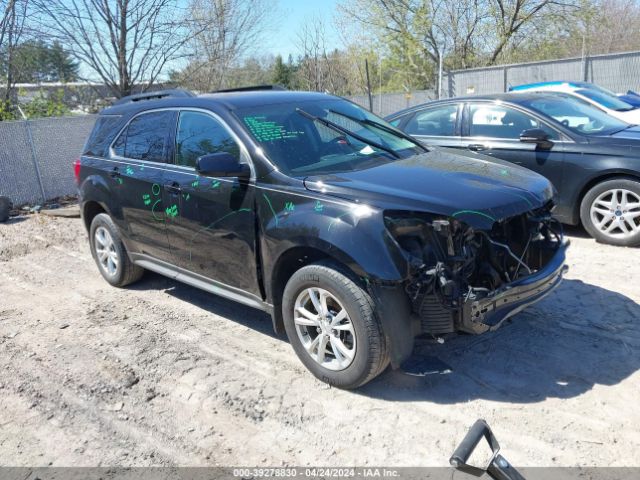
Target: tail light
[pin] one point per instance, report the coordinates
(76, 170)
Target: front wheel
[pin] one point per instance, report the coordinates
(610, 212)
(331, 324)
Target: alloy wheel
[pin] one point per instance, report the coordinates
(616, 213)
(325, 329)
(106, 251)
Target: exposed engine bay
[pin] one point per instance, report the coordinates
(461, 277)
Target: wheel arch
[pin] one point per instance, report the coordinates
(90, 209)
(292, 260)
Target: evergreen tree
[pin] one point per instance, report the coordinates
(34, 61)
(63, 67)
(281, 73)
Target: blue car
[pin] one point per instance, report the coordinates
(631, 97)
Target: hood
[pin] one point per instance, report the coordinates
(470, 187)
(632, 133)
(625, 142)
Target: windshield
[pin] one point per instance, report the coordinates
(605, 99)
(323, 136)
(577, 115)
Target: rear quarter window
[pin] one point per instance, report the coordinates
(105, 128)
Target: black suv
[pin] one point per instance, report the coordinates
(352, 235)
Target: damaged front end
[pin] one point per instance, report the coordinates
(468, 279)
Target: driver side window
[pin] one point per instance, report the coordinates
(499, 121)
(200, 134)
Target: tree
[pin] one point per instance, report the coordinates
(318, 69)
(13, 14)
(62, 67)
(34, 61)
(465, 33)
(281, 73)
(123, 43)
(511, 17)
(224, 32)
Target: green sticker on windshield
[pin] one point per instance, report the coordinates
(266, 130)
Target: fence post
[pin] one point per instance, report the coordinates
(585, 71)
(505, 83)
(34, 156)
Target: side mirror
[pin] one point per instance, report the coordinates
(536, 135)
(221, 164)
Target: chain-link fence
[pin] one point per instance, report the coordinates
(618, 72)
(388, 103)
(36, 157)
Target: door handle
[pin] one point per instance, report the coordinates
(476, 147)
(173, 188)
(115, 173)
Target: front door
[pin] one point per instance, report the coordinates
(210, 221)
(494, 130)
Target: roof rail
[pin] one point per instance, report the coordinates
(156, 95)
(250, 88)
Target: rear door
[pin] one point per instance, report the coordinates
(210, 221)
(140, 155)
(437, 125)
(494, 129)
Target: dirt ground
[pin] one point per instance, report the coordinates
(164, 374)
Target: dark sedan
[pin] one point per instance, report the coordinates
(592, 159)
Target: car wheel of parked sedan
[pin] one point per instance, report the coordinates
(332, 326)
(610, 212)
(109, 253)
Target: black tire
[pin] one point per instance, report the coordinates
(126, 272)
(5, 207)
(588, 223)
(371, 355)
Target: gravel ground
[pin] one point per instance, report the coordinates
(164, 374)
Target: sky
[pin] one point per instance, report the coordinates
(292, 14)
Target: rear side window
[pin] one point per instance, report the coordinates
(105, 128)
(436, 122)
(146, 137)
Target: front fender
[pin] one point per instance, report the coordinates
(354, 235)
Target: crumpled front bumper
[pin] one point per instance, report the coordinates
(479, 316)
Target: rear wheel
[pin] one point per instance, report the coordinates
(109, 253)
(331, 324)
(610, 212)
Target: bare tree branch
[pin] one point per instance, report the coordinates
(123, 42)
